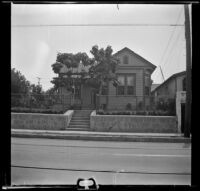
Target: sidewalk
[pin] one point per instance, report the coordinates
(102, 136)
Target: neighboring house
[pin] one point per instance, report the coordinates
(175, 83)
(134, 76)
(154, 86)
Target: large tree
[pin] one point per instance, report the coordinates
(71, 62)
(19, 84)
(101, 68)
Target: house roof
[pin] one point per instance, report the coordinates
(153, 86)
(137, 55)
(169, 79)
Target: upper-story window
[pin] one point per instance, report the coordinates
(125, 60)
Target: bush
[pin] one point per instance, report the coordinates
(140, 105)
(169, 106)
(34, 110)
(142, 112)
(129, 106)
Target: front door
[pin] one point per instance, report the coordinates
(87, 97)
(77, 96)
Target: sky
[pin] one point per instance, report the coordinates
(39, 32)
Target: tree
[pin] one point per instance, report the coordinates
(71, 62)
(37, 95)
(19, 84)
(103, 67)
(36, 89)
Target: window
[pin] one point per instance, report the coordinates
(121, 86)
(126, 85)
(147, 85)
(125, 59)
(130, 85)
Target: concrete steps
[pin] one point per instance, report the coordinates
(80, 121)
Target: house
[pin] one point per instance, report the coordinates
(134, 74)
(134, 88)
(175, 83)
(154, 86)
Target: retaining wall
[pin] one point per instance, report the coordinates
(133, 123)
(40, 121)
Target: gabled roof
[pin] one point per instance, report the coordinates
(137, 55)
(169, 79)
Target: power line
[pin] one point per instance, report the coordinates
(101, 25)
(175, 42)
(172, 57)
(96, 170)
(170, 38)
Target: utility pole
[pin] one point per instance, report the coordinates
(38, 81)
(188, 74)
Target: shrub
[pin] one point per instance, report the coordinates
(129, 106)
(140, 105)
(169, 106)
(35, 110)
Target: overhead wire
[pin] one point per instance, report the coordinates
(173, 47)
(101, 25)
(170, 39)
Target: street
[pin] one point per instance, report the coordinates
(53, 161)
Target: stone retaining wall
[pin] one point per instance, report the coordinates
(133, 123)
(40, 121)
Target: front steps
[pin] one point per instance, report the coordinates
(80, 121)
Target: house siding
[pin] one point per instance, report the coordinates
(135, 67)
(170, 88)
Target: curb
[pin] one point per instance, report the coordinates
(119, 138)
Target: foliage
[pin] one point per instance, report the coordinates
(150, 113)
(167, 105)
(36, 110)
(71, 62)
(19, 84)
(129, 106)
(37, 96)
(140, 105)
(103, 67)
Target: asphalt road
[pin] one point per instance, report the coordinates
(51, 161)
